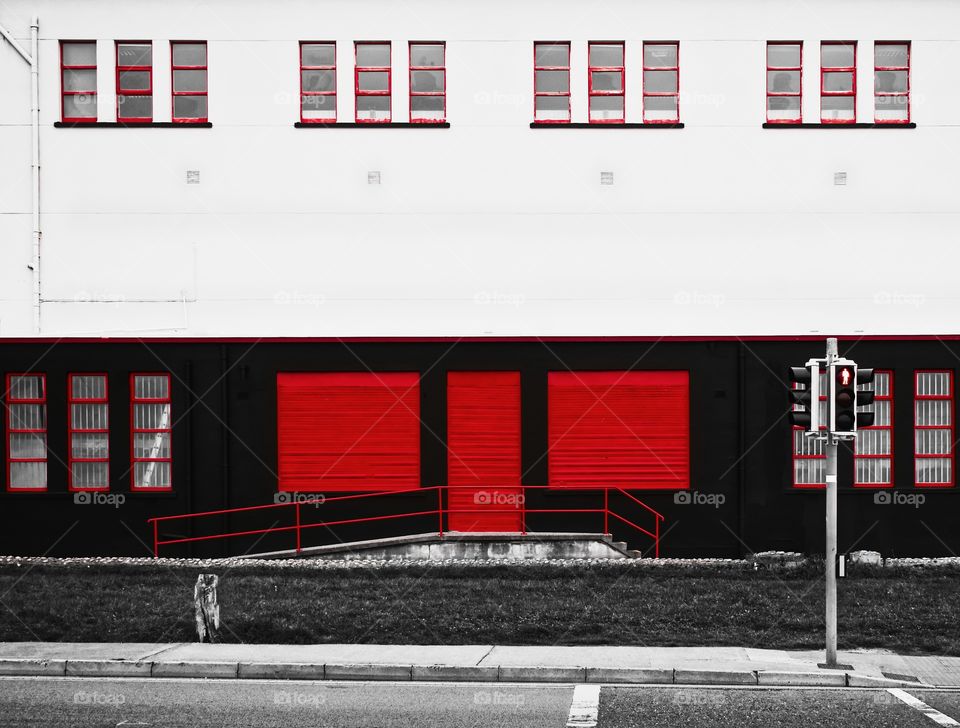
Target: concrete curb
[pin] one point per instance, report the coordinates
(449, 673)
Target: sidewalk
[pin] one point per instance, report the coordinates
(485, 663)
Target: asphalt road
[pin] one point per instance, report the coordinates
(98, 703)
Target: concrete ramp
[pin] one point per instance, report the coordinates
(468, 546)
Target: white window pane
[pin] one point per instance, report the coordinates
(552, 54)
(891, 108)
(607, 80)
(932, 442)
(134, 54)
(28, 445)
(134, 80)
(88, 386)
(933, 384)
(197, 80)
(660, 56)
(318, 80)
(28, 386)
(783, 82)
(430, 54)
(552, 81)
(933, 412)
(783, 107)
(427, 81)
(933, 470)
(317, 54)
(83, 80)
(659, 108)
(319, 107)
(189, 107)
(426, 107)
(606, 55)
(783, 55)
(27, 416)
(890, 54)
(890, 81)
(88, 416)
(151, 445)
(838, 81)
(151, 416)
(28, 475)
(90, 445)
(836, 55)
(373, 54)
(151, 475)
(552, 108)
(809, 471)
(837, 108)
(79, 54)
(80, 106)
(135, 107)
(89, 475)
(189, 54)
(660, 81)
(606, 107)
(373, 81)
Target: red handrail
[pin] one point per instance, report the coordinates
(299, 526)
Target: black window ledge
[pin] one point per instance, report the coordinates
(586, 125)
(373, 125)
(911, 125)
(132, 125)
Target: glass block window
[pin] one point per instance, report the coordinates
(551, 82)
(428, 82)
(88, 432)
(873, 452)
(661, 83)
(318, 81)
(809, 457)
(134, 81)
(838, 82)
(891, 82)
(784, 82)
(26, 432)
(151, 431)
(373, 82)
(933, 428)
(78, 80)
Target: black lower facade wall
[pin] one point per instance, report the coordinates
(225, 446)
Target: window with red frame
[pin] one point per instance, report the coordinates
(78, 80)
(428, 82)
(151, 430)
(551, 82)
(26, 432)
(373, 82)
(891, 82)
(606, 82)
(661, 82)
(838, 82)
(873, 452)
(318, 81)
(809, 457)
(784, 82)
(189, 67)
(933, 428)
(88, 432)
(134, 81)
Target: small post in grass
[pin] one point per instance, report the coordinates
(206, 608)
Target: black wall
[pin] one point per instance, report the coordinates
(225, 446)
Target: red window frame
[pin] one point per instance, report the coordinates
(441, 94)
(11, 430)
(793, 439)
(72, 430)
(880, 69)
(917, 397)
(78, 67)
(537, 94)
(888, 397)
(333, 93)
(358, 69)
(789, 94)
(174, 93)
(648, 94)
(134, 430)
(621, 69)
(839, 69)
(134, 92)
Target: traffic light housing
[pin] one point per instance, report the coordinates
(808, 397)
(843, 396)
(864, 397)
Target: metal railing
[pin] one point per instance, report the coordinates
(520, 508)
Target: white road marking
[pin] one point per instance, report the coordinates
(935, 715)
(585, 706)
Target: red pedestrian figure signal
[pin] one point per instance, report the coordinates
(845, 377)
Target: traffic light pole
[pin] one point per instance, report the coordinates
(831, 551)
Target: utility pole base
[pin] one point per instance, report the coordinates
(837, 666)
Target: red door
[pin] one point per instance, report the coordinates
(483, 443)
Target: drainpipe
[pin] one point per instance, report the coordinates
(35, 144)
(31, 58)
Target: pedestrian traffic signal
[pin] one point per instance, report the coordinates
(864, 397)
(843, 396)
(807, 397)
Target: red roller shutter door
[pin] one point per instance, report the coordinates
(483, 441)
(619, 429)
(348, 431)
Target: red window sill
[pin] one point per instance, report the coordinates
(132, 124)
(372, 125)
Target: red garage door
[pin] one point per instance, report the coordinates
(483, 440)
(348, 431)
(619, 429)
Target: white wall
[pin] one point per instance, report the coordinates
(488, 227)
